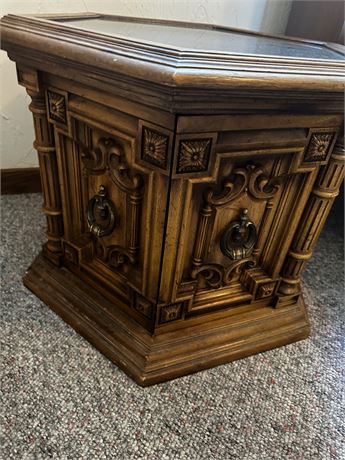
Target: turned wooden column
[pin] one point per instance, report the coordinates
(325, 190)
(45, 146)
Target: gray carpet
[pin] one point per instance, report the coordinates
(62, 399)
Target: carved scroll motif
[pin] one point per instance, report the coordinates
(94, 160)
(114, 255)
(108, 157)
(216, 275)
(252, 180)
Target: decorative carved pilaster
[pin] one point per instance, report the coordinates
(325, 190)
(45, 146)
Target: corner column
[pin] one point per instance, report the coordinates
(325, 190)
(45, 146)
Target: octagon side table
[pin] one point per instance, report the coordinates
(187, 172)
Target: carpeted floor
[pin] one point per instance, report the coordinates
(62, 399)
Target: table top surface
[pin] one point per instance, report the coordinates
(200, 37)
(178, 54)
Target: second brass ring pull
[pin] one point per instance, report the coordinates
(239, 237)
(106, 210)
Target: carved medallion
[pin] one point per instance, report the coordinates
(142, 305)
(193, 155)
(265, 290)
(154, 147)
(57, 107)
(171, 312)
(318, 147)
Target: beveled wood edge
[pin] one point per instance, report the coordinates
(173, 82)
(168, 66)
(184, 101)
(63, 16)
(20, 180)
(46, 22)
(136, 352)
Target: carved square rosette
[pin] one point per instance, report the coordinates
(172, 312)
(194, 154)
(154, 144)
(57, 107)
(142, 305)
(320, 144)
(265, 290)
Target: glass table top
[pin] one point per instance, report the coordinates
(203, 39)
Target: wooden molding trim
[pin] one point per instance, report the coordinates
(20, 180)
(150, 360)
(169, 68)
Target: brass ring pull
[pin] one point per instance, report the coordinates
(239, 237)
(106, 213)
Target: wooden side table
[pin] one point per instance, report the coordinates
(187, 172)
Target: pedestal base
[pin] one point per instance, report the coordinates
(152, 359)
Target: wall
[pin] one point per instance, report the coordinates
(16, 124)
(307, 20)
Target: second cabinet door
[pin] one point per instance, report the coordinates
(239, 187)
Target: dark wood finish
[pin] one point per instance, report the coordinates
(184, 189)
(20, 180)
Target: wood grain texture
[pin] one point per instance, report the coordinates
(149, 360)
(165, 66)
(20, 180)
(181, 205)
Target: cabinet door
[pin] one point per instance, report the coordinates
(239, 187)
(114, 177)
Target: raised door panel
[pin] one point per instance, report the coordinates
(114, 174)
(237, 196)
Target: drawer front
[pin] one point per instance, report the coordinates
(237, 196)
(114, 176)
